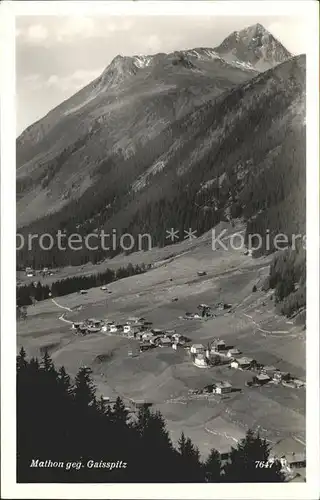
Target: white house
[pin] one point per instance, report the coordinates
(223, 387)
(113, 328)
(175, 337)
(127, 328)
(200, 360)
(197, 349)
(242, 363)
(76, 325)
(233, 352)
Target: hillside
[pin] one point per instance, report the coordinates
(183, 140)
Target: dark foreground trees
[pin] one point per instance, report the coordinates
(66, 434)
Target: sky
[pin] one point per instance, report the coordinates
(56, 56)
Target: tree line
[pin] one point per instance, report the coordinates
(34, 292)
(288, 279)
(62, 420)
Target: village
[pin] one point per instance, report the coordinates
(222, 370)
(215, 353)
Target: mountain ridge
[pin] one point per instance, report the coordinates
(183, 140)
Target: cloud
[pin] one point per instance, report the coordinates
(76, 27)
(37, 33)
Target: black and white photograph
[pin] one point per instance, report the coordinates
(163, 162)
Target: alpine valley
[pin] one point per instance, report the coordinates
(185, 358)
(183, 140)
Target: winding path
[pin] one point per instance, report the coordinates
(61, 307)
(63, 319)
(262, 329)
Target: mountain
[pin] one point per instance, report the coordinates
(181, 140)
(255, 46)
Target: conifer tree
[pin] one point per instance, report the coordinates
(119, 414)
(212, 467)
(64, 380)
(84, 389)
(21, 360)
(47, 363)
(190, 465)
(245, 458)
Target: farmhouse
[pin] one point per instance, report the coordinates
(113, 328)
(233, 352)
(203, 306)
(97, 323)
(157, 331)
(172, 333)
(200, 360)
(133, 319)
(281, 376)
(147, 323)
(243, 363)
(218, 345)
(165, 342)
(197, 349)
(147, 335)
(269, 370)
(76, 325)
(299, 383)
(223, 387)
(201, 273)
(261, 379)
(291, 453)
(93, 329)
(145, 346)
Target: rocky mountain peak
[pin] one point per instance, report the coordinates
(254, 45)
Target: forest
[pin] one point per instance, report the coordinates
(35, 292)
(62, 420)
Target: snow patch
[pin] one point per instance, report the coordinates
(142, 61)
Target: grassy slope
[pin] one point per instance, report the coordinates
(163, 375)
